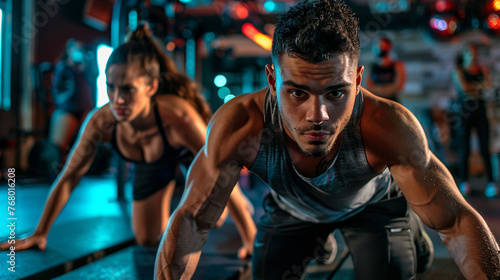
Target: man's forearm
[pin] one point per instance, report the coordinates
(474, 249)
(180, 249)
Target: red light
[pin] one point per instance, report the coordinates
(240, 11)
(445, 26)
(255, 35)
(494, 21)
(441, 5)
(438, 23)
(179, 42)
(170, 46)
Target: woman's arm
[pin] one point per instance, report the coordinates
(77, 164)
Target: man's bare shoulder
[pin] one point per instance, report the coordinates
(389, 129)
(237, 125)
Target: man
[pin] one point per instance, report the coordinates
(387, 76)
(327, 148)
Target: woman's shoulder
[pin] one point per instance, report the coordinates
(173, 106)
(170, 100)
(100, 118)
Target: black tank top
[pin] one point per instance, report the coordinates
(382, 75)
(169, 152)
(474, 78)
(471, 78)
(150, 176)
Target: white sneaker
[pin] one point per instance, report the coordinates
(491, 190)
(464, 188)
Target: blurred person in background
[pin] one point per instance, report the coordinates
(471, 79)
(387, 77)
(71, 94)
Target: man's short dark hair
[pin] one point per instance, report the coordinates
(316, 30)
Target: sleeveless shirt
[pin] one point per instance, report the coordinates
(339, 193)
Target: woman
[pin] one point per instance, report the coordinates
(471, 78)
(154, 117)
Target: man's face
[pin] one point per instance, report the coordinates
(315, 99)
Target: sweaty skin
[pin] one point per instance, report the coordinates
(323, 95)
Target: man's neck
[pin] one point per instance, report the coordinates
(309, 166)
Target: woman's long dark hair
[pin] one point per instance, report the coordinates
(142, 47)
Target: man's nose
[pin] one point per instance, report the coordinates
(317, 113)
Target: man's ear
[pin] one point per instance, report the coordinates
(359, 77)
(271, 78)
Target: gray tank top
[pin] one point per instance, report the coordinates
(339, 193)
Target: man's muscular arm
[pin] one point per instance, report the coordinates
(434, 196)
(210, 182)
(208, 188)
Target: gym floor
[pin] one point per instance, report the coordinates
(92, 237)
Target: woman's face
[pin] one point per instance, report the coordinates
(129, 91)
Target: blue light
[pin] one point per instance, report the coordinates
(475, 23)
(132, 20)
(1, 56)
(209, 36)
(441, 25)
(223, 92)
(438, 23)
(103, 53)
(184, 1)
(5, 55)
(186, 33)
(403, 5)
(191, 58)
(381, 7)
(229, 97)
(220, 80)
(269, 6)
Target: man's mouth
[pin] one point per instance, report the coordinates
(317, 135)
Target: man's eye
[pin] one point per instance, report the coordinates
(336, 93)
(297, 93)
